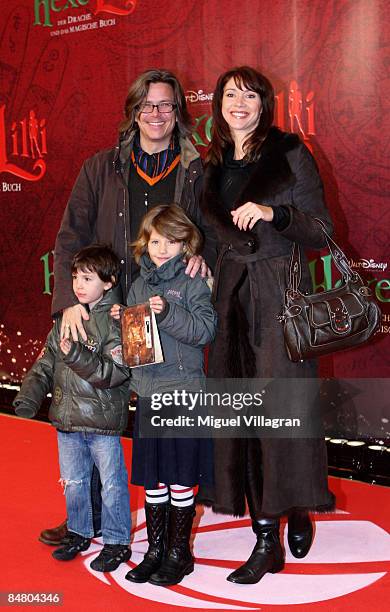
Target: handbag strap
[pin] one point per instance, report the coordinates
(295, 268)
(338, 256)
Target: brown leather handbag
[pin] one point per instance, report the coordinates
(328, 321)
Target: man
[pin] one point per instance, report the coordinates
(154, 163)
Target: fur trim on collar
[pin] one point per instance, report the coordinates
(188, 152)
(271, 175)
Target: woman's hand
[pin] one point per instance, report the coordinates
(116, 310)
(248, 214)
(157, 303)
(65, 345)
(72, 322)
(196, 264)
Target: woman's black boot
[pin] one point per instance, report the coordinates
(300, 533)
(178, 561)
(156, 526)
(267, 555)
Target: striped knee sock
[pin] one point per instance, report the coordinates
(181, 496)
(157, 496)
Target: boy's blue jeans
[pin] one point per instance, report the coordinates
(78, 452)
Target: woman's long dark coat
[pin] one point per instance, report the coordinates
(275, 475)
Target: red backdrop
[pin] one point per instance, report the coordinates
(65, 68)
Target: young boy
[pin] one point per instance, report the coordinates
(89, 409)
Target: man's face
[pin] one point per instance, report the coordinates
(156, 128)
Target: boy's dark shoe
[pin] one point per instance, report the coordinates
(110, 557)
(74, 544)
(55, 536)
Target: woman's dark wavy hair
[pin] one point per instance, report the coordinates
(138, 92)
(244, 76)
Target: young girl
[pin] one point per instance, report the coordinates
(170, 468)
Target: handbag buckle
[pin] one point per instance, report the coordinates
(339, 316)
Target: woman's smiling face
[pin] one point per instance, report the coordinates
(241, 109)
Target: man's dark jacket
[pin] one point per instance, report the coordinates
(98, 211)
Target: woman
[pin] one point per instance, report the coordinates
(261, 193)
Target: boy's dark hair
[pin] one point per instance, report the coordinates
(99, 258)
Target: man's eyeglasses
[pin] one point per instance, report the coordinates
(162, 107)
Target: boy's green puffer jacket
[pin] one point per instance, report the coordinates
(90, 385)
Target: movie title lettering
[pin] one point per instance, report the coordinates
(45, 10)
(28, 137)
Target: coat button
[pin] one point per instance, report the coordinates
(122, 261)
(252, 245)
(121, 214)
(180, 367)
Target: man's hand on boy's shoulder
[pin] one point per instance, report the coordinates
(72, 322)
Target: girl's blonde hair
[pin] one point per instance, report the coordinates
(170, 221)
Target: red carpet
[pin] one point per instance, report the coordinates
(346, 568)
